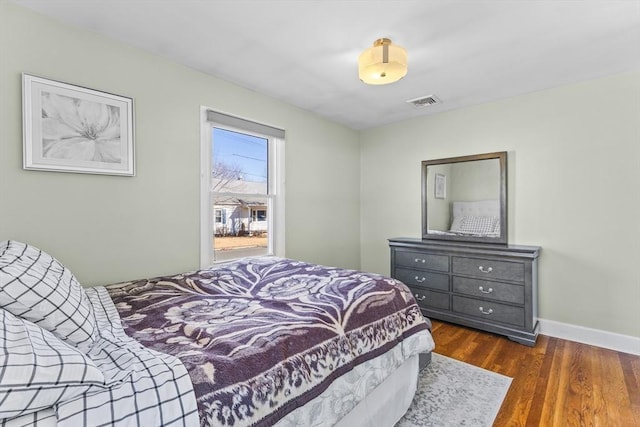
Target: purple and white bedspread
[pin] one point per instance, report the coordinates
(261, 337)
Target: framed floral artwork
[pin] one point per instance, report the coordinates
(68, 128)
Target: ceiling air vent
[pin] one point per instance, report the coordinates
(424, 101)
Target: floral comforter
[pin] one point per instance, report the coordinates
(260, 337)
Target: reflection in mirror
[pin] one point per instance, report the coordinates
(464, 198)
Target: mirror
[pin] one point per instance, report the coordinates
(465, 198)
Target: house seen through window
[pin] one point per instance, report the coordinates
(240, 194)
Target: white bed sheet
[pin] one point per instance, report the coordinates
(374, 394)
(388, 402)
(43, 418)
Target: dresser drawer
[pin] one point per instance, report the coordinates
(496, 291)
(431, 299)
(422, 260)
(423, 279)
(488, 268)
(488, 310)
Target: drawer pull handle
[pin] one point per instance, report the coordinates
(420, 297)
(488, 291)
(486, 312)
(485, 270)
(422, 260)
(420, 280)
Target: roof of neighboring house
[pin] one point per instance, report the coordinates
(238, 201)
(238, 186)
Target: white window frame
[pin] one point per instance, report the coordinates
(275, 196)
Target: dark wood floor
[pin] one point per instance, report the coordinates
(555, 383)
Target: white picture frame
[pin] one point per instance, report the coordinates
(69, 128)
(440, 186)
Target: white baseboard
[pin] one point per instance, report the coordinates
(596, 337)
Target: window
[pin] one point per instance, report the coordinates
(259, 214)
(242, 189)
(220, 216)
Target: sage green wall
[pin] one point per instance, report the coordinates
(439, 210)
(109, 228)
(574, 171)
(478, 180)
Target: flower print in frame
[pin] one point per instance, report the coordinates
(69, 128)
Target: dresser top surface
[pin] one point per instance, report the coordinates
(528, 251)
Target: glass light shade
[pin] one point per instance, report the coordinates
(383, 63)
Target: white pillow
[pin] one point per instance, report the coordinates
(455, 224)
(38, 370)
(478, 224)
(36, 287)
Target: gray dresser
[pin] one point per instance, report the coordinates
(488, 287)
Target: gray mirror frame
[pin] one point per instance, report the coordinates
(503, 238)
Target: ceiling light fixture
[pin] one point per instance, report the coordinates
(383, 63)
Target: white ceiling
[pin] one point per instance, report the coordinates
(305, 52)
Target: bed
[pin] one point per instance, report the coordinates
(480, 218)
(259, 341)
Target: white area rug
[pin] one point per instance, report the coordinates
(454, 393)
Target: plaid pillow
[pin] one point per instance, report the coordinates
(36, 287)
(478, 224)
(37, 370)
